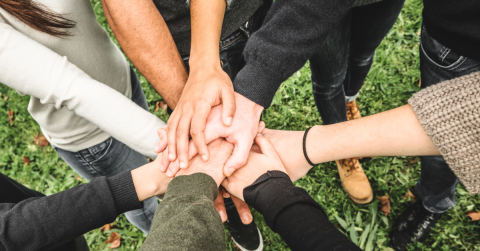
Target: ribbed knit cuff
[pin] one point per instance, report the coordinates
(258, 84)
(273, 192)
(197, 185)
(124, 192)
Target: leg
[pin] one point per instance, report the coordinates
(437, 184)
(112, 157)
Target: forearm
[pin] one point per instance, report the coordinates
(391, 133)
(42, 223)
(186, 217)
(146, 39)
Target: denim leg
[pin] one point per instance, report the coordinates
(436, 187)
(112, 157)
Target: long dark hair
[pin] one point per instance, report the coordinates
(39, 17)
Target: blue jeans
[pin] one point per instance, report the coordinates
(341, 65)
(112, 157)
(438, 63)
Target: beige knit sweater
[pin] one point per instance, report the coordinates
(448, 112)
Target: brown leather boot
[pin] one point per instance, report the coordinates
(354, 181)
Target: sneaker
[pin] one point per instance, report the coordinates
(414, 225)
(245, 237)
(354, 181)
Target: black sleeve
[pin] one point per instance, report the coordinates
(43, 223)
(292, 32)
(292, 213)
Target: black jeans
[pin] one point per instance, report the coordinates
(438, 63)
(341, 65)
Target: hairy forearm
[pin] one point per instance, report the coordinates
(391, 133)
(207, 19)
(146, 39)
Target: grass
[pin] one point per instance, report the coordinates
(392, 80)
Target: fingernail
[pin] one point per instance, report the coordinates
(171, 157)
(246, 218)
(156, 148)
(169, 173)
(223, 216)
(182, 165)
(230, 170)
(259, 134)
(204, 157)
(228, 121)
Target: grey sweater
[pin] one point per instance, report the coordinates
(176, 14)
(448, 112)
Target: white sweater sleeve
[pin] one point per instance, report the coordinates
(32, 69)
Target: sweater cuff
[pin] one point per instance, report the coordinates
(197, 184)
(124, 192)
(273, 192)
(257, 84)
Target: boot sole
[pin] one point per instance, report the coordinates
(260, 248)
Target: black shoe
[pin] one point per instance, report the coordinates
(246, 237)
(414, 225)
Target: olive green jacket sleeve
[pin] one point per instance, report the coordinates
(186, 219)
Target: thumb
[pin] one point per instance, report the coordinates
(229, 107)
(261, 127)
(163, 140)
(238, 159)
(265, 146)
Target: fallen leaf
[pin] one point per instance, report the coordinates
(5, 98)
(474, 215)
(26, 160)
(409, 194)
(41, 141)
(113, 236)
(10, 117)
(161, 104)
(115, 244)
(105, 227)
(149, 160)
(79, 179)
(420, 83)
(385, 202)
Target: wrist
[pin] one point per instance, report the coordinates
(204, 61)
(149, 181)
(247, 104)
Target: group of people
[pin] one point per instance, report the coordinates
(217, 64)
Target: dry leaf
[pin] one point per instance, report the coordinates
(474, 215)
(5, 98)
(385, 202)
(149, 160)
(409, 194)
(26, 160)
(41, 141)
(115, 244)
(161, 104)
(105, 227)
(10, 116)
(420, 83)
(113, 236)
(79, 179)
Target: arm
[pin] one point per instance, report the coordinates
(146, 39)
(289, 211)
(292, 32)
(187, 217)
(47, 222)
(30, 68)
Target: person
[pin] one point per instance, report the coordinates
(84, 95)
(205, 39)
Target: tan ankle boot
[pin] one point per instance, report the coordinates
(354, 181)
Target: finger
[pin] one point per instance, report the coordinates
(256, 149)
(265, 146)
(229, 106)
(198, 131)
(183, 137)
(162, 133)
(165, 161)
(173, 169)
(171, 135)
(243, 210)
(238, 159)
(220, 205)
(261, 127)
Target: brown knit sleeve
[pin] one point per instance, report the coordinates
(449, 113)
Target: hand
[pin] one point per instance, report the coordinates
(257, 165)
(241, 133)
(204, 90)
(221, 150)
(289, 147)
(242, 207)
(149, 180)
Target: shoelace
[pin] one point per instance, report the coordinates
(349, 165)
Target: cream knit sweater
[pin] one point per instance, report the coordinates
(79, 85)
(449, 113)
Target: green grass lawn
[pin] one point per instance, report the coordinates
(392, 80)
